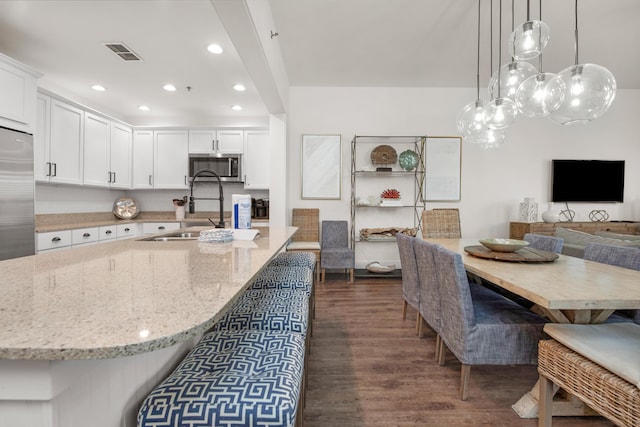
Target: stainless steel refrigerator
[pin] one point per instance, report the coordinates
(16, 194)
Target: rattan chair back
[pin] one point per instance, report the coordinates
(441, 224)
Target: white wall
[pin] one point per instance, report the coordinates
(493, 181)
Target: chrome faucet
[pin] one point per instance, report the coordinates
(192, 200)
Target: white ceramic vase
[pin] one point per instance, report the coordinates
(550, 215)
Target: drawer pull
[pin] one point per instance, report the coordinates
(161, 227)
(108, 232)
(127, 229)
(56, 239)
(86, 235)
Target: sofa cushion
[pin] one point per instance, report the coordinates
(609, 234)
(614, 346)
(575, 237)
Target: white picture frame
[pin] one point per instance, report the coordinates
(321, 167)
(442, 165)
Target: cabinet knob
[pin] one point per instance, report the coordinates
(86, 235)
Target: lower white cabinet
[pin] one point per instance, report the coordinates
(126, 231)
(159, 227)
(53, 240)
(83, 236)
(107, 232)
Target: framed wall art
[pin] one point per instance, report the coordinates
(321, 166)
(442, 168)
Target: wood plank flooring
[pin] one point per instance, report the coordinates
(368, 368)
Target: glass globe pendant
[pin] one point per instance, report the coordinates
(501, 113)
(532, 95)
(528, 40)
(487, 138)
(507, 80)
(472, 118)
(580, 94)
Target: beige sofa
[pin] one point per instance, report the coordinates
(575, 241)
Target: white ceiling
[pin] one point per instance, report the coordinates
(402, 43)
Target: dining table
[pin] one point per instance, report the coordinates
(565, 289)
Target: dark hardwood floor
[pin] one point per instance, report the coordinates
(368, 368)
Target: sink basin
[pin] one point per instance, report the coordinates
(172, 237)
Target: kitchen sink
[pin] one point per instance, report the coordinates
(172, 237)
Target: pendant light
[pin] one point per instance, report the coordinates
(511, 75)
(581, 92)
(529, 39)
(473, 117)
(532, 94)
(501, 111)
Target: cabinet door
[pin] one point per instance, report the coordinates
(18, 100)
(231, 141)
(96, 150)
(143, 159)
(256, 168)
(41, 139)
(120, 156)
(202, 141)
(67, 131)
(171, 148)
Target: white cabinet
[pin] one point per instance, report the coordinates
(143, 159)
(257, 162)
(107, 232)
(107, 153)
(53, 240)
(204, 141)
(18, 100)
(42, 139)
(170, 160)
(159, 227)
(83, 236)
(65, 146)
(126, 231)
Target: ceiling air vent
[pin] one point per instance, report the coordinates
(123, 51)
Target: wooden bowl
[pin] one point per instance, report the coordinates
(503, 245)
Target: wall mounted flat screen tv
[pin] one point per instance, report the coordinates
(587, 181)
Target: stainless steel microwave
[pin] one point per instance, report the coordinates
(227, 166)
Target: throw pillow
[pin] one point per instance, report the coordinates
(580, 238)
(612, 235)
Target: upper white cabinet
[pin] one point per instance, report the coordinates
(96, 150)
(58, 142)
(18, 100)
(204, 141)
(257, 170)
(120, 155)
(160, 158)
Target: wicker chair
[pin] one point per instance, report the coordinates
(307, 238)
(544, 243)
(441, 223)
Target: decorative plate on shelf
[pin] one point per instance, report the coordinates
(408, 160)
(125, 208)
(383, 155)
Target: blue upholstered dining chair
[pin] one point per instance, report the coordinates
(544, 243)
(621, 256)
(481, 331)
(410, 291)
(428, 287)
(334, 248)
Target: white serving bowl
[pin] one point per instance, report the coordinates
(503, 245)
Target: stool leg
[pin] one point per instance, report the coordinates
(545, 402)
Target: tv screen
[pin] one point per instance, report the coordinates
(587, 181)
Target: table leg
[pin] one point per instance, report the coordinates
(563, 406)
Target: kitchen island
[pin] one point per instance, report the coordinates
(87, 332)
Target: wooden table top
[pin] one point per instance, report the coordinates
(569, 289)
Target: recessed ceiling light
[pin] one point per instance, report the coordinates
(143, 108)
(239, 87)
(214, 48)
(169, 88)
(99, 88)
(236, 107)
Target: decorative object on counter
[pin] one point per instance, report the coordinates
(408, 160)
(383, 155)
(598, 215)
(376, 267)
(179, 205)
(390, 197)
(386, 233)
(567, 215)
(216, 235)
(550, 215)
(504, 245)
(529, 210)
(125, 208)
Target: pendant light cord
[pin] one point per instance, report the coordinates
(500, 44)
(478, 58)
(539, 37)
(576, 31)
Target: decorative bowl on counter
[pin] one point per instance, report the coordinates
(503, 245)
(125, 208)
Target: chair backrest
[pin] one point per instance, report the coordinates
(308, 223)
(544, 243)
(621, 256)
(457, 312)
(335, 234)
(410, 291)
(441, 223)
(429, 289)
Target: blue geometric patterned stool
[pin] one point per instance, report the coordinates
(285, 310)
(232, 379)
(294, 259)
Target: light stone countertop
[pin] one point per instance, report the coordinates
(124, 297)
